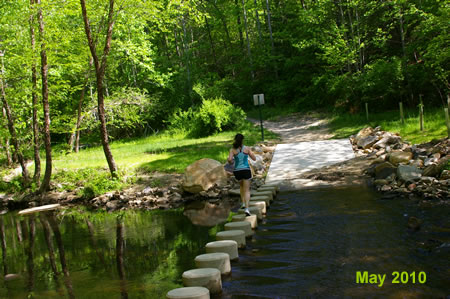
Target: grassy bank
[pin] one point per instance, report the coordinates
(164, 153)
(343, 125)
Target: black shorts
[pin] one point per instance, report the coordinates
(243, 174)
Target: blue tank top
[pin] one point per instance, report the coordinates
(241, 160)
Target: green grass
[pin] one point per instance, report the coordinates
(344, 125)
(164, 153)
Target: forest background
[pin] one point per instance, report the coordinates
(126, 69)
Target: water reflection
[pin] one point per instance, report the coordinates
(207, 214)
(81, 254)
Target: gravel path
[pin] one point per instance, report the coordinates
(306, 146)
(298, 128)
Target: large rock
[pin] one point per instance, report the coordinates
(407, 173)
(400, 157)
(204, 174)
(258, 164)
(387, 140)
(363, 133)
(367, 142)
(431, 170)
(384, 170)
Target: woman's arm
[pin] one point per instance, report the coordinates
(230, 156)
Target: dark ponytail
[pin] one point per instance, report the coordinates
(238, 141)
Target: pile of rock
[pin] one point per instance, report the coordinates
(204, 179)
(399, 169)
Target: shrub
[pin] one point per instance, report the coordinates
(213, 116)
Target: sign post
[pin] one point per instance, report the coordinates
(258, 99)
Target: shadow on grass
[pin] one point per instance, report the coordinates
(193, 147)
(182, 156)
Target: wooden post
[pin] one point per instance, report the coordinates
(447, 121)
(401, 113)
(421, 113)
(367, 112)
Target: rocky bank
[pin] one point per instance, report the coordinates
(207, 181)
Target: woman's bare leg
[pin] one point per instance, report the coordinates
(246, 187)
(241, 183)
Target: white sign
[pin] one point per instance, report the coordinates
(258, 99)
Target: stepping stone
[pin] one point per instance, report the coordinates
(254, 193)
(261, 198)
(235, 235)
(234, 192)
(253, 219)
(254, 211)
(225, 246)
(268, 188)
(205, 277)
(40, 209)
(238, 217)
(189, 293)
(271, 185)
(217, 260)
(242, 225)
(261, 204)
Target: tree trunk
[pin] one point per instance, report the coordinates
(269, 23)
(100, 68)
(249, 52)
(187, 55)
(75, 136)
(211, 42)
(6, 145)
(44, 74)
(258, 22)
(34, 97)
(404, 62)
(238, 13)
(12, 129)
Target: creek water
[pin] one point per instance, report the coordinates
(311, 244)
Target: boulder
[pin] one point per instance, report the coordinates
(204, 174)
(363, 133)
(384, 170)
(407, 173)
(387, 140)
(400, 157)
(431, 170)
(258, 164)
(445, 175)
(367, 142)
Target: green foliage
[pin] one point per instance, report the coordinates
(216, 115)
(90, 182)
(213, 116)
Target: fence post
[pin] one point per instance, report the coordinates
(401, 113)
(447, 121)
(421, 113)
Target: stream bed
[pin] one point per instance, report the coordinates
(311, 244)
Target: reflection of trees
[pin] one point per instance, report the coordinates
(29, 253)
(120, 244)
(94, 242)
(3, 244)
(62, 255)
